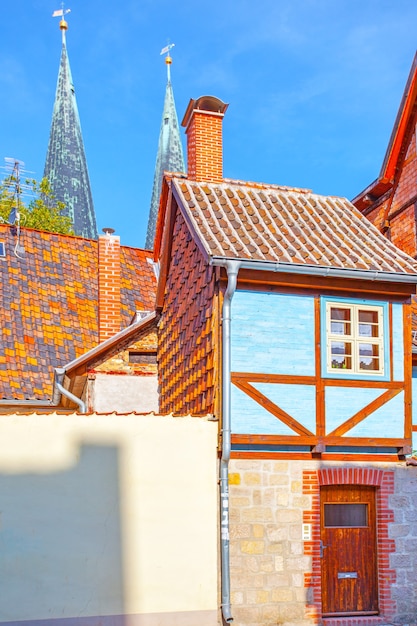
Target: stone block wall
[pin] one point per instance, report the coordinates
(275, 573)
(267, 552)
(404, 533)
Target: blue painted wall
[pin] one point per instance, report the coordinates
(274, 334)
(398, 341)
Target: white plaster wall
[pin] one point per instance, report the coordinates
(107, 515)
(125, 393)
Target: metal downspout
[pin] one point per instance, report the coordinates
(59, 378)
(232, 268)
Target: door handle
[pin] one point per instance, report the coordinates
(322, 547)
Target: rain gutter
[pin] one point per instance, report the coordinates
(319, 270)
(232, 268)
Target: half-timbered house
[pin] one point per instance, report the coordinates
(287, 315)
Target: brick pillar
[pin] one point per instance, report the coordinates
(203, 122)
(108, 286)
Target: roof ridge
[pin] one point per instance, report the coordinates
(261, 185)
(24, 229)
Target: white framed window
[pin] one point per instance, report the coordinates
(355, 338)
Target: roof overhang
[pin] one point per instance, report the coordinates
(317, 270)
(407, 110)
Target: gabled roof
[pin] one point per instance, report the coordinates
(402, 132)
(290, 229)
(49, 305)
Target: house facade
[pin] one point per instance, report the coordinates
(287, 315)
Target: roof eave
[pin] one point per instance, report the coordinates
(317, 270)
(403, 117)
(100, 350)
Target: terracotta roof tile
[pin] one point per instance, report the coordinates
(49, 306)
(277, 224)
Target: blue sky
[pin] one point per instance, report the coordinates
(313, 88)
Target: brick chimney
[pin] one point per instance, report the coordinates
(203, 121)
(108, 285)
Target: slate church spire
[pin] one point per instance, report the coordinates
(66, 165)
(170, 155)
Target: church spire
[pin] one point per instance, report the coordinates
(170, 155)
(66, 165)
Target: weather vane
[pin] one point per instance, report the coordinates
(62, 12)
(168, 59)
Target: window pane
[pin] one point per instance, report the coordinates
(369, 317)
(368, 330)
(340, 321)
(342, 515)
(368, 356)
(368, 349)
(341, 355)
(368, 324)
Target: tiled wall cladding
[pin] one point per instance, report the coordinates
(49, 306)
(188, 344)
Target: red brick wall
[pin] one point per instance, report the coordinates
(377, 216)
(384, 482)
(403, 230)
(403, 225)
(189, 344)
(407, 187)
(109, 317)
(394, 210)
(204, 147)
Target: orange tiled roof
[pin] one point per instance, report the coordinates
(49, 305)
(270, 223)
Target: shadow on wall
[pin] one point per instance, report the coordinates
(61, 543)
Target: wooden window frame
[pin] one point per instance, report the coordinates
(354, 338)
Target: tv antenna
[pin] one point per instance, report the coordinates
(15, 189)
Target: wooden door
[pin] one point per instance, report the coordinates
(348, 550)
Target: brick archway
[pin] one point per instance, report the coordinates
(383, 480)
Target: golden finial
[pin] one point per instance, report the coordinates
(62, 12)
(168, 58)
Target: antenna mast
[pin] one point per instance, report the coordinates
(14, 169)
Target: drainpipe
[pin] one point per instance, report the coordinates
(232, 268)
(59, 375)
